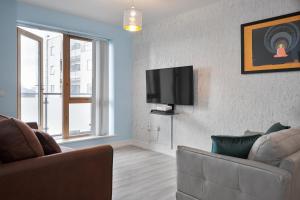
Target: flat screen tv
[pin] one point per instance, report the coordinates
(173, 86)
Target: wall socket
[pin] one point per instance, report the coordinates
(149, 126)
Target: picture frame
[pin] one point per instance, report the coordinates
(271, 45)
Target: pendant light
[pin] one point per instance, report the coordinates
(132, 20)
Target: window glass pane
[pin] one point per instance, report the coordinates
(80, 118)
(52, 81)
(53, 113)
(80, 68)
(29, 79)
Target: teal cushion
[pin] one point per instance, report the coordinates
(277, 127)
(235, 146)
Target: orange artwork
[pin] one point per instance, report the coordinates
(271, 45)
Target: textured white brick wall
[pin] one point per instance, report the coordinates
(226, 101)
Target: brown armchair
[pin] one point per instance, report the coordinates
(77, 175)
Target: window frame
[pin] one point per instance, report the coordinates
(66, 92)
(67, 98)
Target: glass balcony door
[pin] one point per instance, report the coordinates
(30, 90)
(56, 82)
(40, 78)
(78, 85)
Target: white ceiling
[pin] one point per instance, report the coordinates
(111, 11)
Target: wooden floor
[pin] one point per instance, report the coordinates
(143, 175)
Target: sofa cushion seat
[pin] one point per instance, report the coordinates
(272, 148)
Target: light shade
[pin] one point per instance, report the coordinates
(132, 20)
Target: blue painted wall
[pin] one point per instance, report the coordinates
(8, 55)
(121, 41)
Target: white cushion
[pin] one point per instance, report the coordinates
(274, 147)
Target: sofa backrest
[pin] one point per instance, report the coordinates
(273, 148)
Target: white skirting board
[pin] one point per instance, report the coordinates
(120, 144)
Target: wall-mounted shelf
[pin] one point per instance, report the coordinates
(166, 113)
(159, 112)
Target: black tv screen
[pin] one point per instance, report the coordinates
(170, 86)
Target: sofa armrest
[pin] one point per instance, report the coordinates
(76, 175)
(203, 175)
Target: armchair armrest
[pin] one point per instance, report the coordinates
(292, 164)
(76, 175)
(203, 175)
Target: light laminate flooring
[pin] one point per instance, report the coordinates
(140, 174)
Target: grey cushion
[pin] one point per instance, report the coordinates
(250, 133)
(272, 148)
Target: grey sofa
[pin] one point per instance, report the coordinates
(207, 176)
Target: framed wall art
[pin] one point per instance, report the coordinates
(271, 45)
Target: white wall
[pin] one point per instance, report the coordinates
(226, 101)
